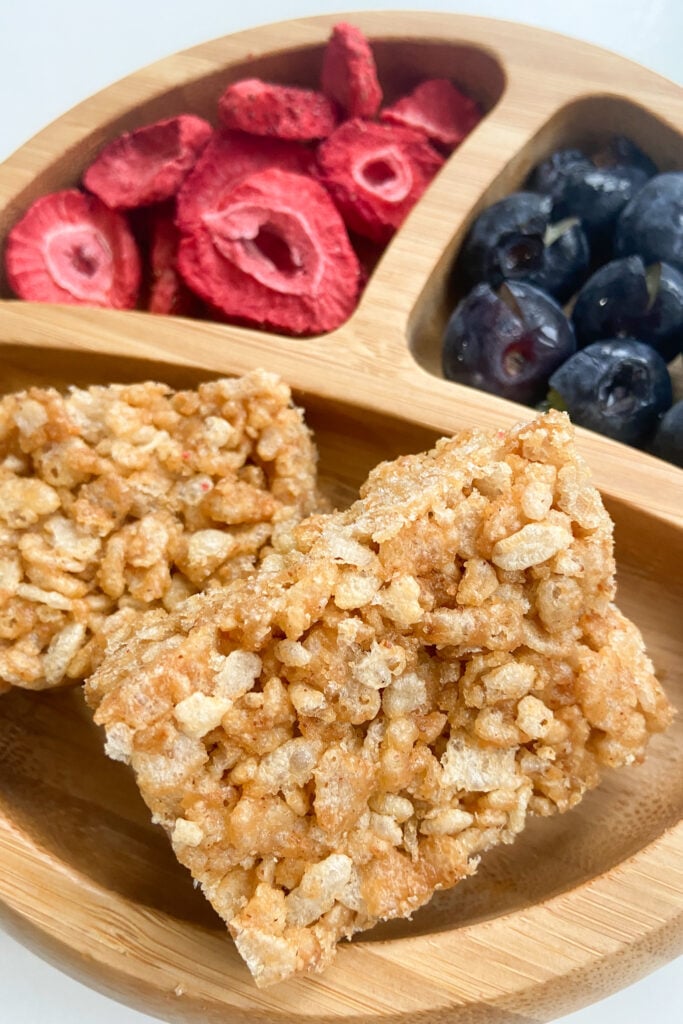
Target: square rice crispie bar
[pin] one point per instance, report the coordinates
(121, 498)
(329, 742)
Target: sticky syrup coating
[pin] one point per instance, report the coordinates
(395, 690)
(115, 499)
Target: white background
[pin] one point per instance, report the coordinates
(54, 53)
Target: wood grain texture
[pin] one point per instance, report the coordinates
(581, 904)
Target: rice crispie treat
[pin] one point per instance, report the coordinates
(329, 742)
(115, 499)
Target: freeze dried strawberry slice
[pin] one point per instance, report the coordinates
(71, 248)
(349, 73)
(274, 253)
(375, 173)
(280, 111)
(229, 157)
(437, 108)
(168, 293)
(149, 164)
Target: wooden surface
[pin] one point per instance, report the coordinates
(581, 904)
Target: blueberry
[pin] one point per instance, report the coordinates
(624, 299)
(507, 343)
(516, 239)
(596, 197)
(623, 153)
(506, 239)
(668, 441)
(618, 387)
(651, 224)
(550, 176)
(566, 260)
(594, 190)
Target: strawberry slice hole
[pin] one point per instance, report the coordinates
(274, 245)
(386, 174)
(80, 261)
(378, 173)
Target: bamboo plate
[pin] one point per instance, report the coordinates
(581, 904)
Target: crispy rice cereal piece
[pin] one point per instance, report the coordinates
(329, 742)
(119, 498)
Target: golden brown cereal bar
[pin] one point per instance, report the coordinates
(329, 742)
(121, 498)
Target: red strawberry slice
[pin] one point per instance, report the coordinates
(437, 108)
(349, 72)
(375, 173)
(167, 291)
(284, 112)
(149, 164)
(71, 248)
(229, 157)
(274, 253)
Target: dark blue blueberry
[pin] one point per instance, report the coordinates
(597, 197)
(566, 260)
(507, 343)
(668, 441)
(515, 239)
(623, 299)
(506, 239)
(594, 189)
(651, 225)
(550, 176)
(623, 153)
(618, 387)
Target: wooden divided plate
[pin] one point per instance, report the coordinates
(581, 904)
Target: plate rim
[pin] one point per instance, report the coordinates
(646, 862)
